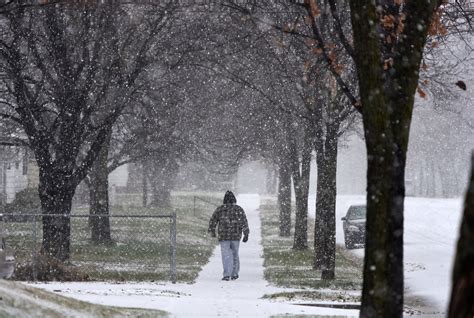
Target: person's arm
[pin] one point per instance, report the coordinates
(213, 223)
(245, 227)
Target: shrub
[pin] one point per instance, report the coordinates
(49, 269)
(26, 201)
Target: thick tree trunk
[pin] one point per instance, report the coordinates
(56, 195)
(387, 98)
(99, 198)
(462, 295)
(284, 198)
(301, 185)
(325, 221)
(383, 270)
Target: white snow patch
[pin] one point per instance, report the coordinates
(431, 233)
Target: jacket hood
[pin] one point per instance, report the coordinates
(229, 198)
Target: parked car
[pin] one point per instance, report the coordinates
(354, 225)
(7, 260)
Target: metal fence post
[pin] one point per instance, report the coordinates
(33, 256)
(173, 247)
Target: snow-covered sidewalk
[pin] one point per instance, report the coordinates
(209, 296)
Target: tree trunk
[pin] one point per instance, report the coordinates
(319, 210)
(144, 185)
(284, 199)
(301, 217)
(383, 263)
(325, 221)
(56, 195)
(387, 97)
(462, 294)
(161, 194)
(432, 179)
(271, 180)
(301, 185)
(99, 197)
(163, 182)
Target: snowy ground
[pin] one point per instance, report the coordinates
(431, 231)
(209, 296)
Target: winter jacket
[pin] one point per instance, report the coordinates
(231, 221)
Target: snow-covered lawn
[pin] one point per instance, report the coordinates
(18, 300)
(431, 231)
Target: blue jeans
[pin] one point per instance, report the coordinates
(230, 257)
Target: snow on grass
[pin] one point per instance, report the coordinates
(286, 267)
(431, 231)
(209, 296)
(141, 247)
(18, 300)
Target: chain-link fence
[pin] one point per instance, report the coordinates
(142, 247)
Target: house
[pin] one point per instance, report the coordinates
(18, 169)
(17, 172)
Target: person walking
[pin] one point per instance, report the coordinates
(232, 222)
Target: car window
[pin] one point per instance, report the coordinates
(356, 212)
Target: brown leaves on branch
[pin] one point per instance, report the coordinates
(333, 60)
(339, 68)
(421, 92)
(315, 11)
(290, 27)
(388, 21)
(388, 63)
(401, 23)
(424, 66)
(317, 50)
(437, 26)
(397, 23)
(313, 46)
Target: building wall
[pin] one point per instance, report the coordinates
(119, 177)
(15, 179)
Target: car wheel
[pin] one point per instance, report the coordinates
(348, 242)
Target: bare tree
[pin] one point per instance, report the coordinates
(70, 70)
